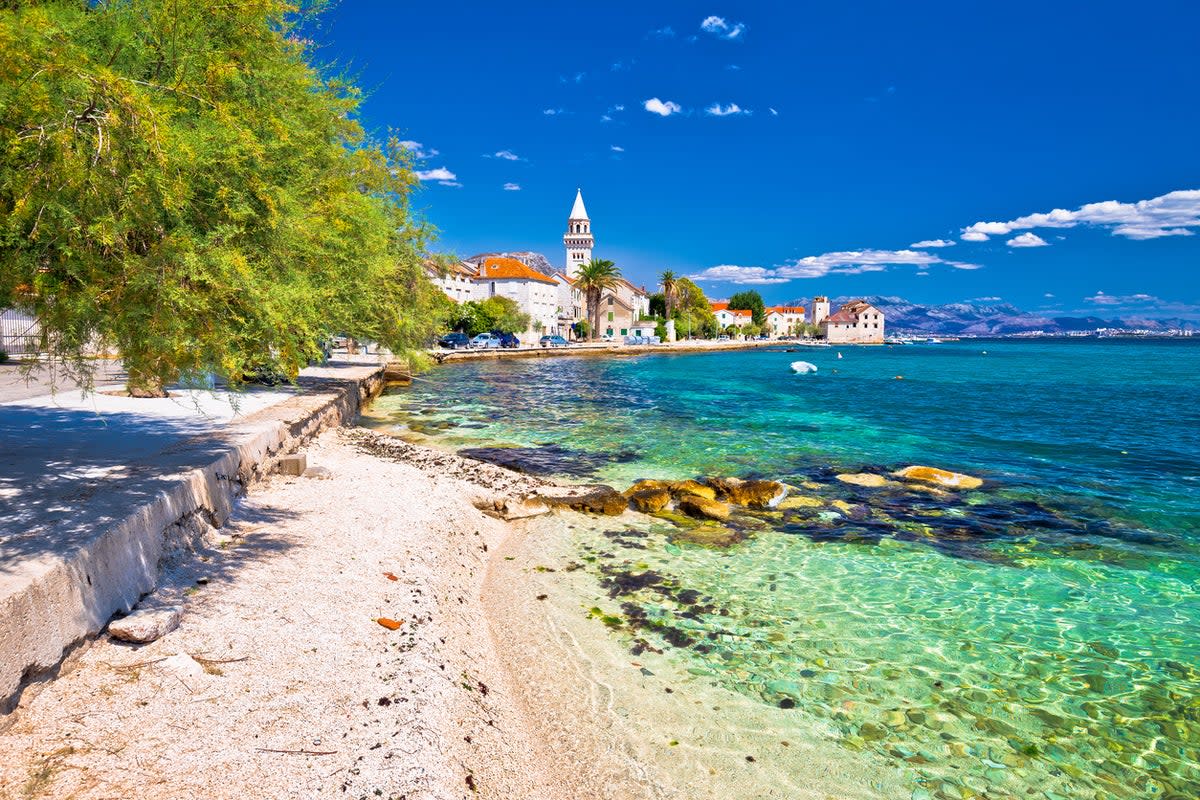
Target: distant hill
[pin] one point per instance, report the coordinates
(527, 257)
(984, 319)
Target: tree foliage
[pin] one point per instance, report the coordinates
(749, 301)
(497, 313)
(182, 182)
(693, 314)
(594, 278)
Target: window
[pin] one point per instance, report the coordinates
(610, 301)
(610, 316)
(624, 331)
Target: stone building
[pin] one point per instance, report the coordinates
(856, 322)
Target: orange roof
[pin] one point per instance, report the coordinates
(784, 310)
(500, 267)
(719, 306)
(740, 313)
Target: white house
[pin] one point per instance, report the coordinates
(726, 316)
(783, 320)
(456, 281)
(536, 294)
(570, 304)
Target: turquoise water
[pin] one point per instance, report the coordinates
(1038, 637)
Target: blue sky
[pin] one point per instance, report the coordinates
(804, 148)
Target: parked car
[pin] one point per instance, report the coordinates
(552, 341)
(722, 338)
(507, 339)
(454, 341)
(485, 340)
(607, 337)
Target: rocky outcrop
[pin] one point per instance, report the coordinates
(939, 477)
(708, 535)
(753, 493)
(592, 499)
(690, 487)
(649, 501)
(703, 507)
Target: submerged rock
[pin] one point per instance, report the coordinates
(940, 477)
(799, 501)
(703, 507)
(866, 479)
(646, 483)
(756, 494)
(709, 536)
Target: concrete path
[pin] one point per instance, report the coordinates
(88, 484)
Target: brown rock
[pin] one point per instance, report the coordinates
(939, 477)
(592, 499)
(756, 494)
(867, 479)
(648, 501)
(681, 488)
(703, 507)
(799, 501)
(647, 484)
(722, 486)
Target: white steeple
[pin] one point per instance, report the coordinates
(578, 239)
(577, 210)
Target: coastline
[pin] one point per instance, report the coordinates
(605, 349)
(280, 679)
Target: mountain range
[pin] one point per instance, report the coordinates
(992, 319)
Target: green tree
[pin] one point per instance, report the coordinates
(505, 315)
(693, 315)
(658, 305)
(669, 284)
(749, 301)
(182, 182)
(596, 277)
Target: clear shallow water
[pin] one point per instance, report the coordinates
(1039, 637)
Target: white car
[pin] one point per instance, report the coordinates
(607, 337)
(485, 340)
(722, 338)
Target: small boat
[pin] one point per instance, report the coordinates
(803, 367)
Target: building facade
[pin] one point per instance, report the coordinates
(456, 281)
(856, 322)
(570, 305)
(783, 320)
(536, 294)
(820, 310)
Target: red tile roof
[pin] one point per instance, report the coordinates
(718, 306)
(500, 267)
(784, 309)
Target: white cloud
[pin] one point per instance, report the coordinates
(987, 299)
(923, 274)
(728, 273)
(733, 68)
(551, 112)
(845, 262)
(665, 32)
(774, 113)
(439, 174)
(662, 108)
(576, 78)
(1171, 214)
(933, 243)
(722, 29)
(512, 187)
(1102, 299)
(616, 148)
(1027, 240)
(417, 149)
(1048, 294)
(508, 155)
(717, 110)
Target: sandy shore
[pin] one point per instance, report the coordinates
(281, 683)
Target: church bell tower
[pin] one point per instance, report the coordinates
(578, 239)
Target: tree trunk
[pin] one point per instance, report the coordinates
(140, 384)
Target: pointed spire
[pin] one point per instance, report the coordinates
(577, 210)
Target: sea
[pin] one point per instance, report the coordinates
(1037, 636)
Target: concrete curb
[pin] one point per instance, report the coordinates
(54, 602)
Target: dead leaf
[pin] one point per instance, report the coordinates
(390, 624)
(390, 576)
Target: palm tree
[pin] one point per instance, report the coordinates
(669, 285)
(593, 279)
